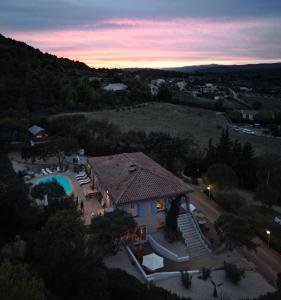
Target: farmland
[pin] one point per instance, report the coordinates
(181, 121)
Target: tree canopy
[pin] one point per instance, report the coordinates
(107, 230)
(221, 176)
(236, 231)
(18, 282)
(53, 189)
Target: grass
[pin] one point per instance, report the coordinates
(269, 103)
(207, 103)
(175, 119)
(181, 120)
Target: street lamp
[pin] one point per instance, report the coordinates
(268, 234)
(209, 189)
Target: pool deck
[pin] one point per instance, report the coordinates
(91, 205)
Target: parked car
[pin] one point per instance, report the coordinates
(248, 131)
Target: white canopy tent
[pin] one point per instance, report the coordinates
(153, 261)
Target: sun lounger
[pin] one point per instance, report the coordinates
(81, 175)
(82, 179)
(85, 181)
(43, 172)
(49, 171)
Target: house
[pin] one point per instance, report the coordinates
(245, 89)
(181, 85)
(37, 135)
(113, 87)
(209, 88)
(138, 185)
(155, 85)
(248, 115)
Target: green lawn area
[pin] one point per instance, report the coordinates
(178, 120)
(269, 103)
(181, 120)
(204, 102)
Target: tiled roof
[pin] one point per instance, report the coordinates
(148, 181)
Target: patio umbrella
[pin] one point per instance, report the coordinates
(46, 200)
(153, 261)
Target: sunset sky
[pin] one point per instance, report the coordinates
(148, 33)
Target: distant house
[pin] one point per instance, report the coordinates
(153, 89)
(37, 135)
(248, 114)
(245, 89)
(158, 81)
(113, 87)
(138, 185)
(94, 78)
(209, 88)
(181, 85)
(155, 85)
(196, 93)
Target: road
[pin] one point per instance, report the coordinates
(237, 99)
(267, 260)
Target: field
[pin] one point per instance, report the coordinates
(268, 103)
(181, 120)
(204, 102)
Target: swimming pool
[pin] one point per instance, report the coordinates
(62, 180)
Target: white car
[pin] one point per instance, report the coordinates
(248, 131)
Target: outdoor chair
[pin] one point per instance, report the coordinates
(43, 172)
(49, 171)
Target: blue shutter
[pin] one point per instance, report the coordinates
(124, 208)
(168, 203)
(141, 207)
(153, 207)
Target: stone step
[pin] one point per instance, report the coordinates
(185, 223)
(193, 240)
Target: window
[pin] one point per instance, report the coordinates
(160, 204)
(133, 209)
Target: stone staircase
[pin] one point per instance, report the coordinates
(192, 236)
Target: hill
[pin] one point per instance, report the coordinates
(213, 68)
(34, 81)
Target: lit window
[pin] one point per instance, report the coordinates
(160, 204)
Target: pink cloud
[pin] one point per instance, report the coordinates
(154, 43)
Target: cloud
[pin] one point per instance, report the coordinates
(124, 42)
(34, 15)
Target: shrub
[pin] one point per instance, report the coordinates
(186, 279)
(194, 180)
(231, 202)
(206, 272)
(233, 273)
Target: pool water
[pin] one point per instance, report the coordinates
(62, 180)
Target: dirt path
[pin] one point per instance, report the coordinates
(267, 260)
(208, 207)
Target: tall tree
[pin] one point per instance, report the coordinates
(266, 195)
(224, 148)
(61, 248)
(18, 282)
(108, 229)
(221, 176)
(236, 231)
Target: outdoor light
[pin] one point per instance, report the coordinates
(209, 189)
(268, 234)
